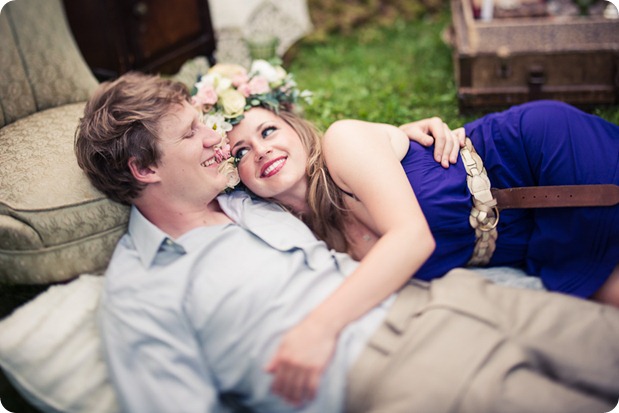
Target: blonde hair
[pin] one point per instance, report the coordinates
(328, 210)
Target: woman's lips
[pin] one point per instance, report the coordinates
(272, 167)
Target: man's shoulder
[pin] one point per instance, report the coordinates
(267, 220)
(241, 200)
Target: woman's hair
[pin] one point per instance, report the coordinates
(121, 122)
(325, 199)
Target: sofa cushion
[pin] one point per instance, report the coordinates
(53, 224)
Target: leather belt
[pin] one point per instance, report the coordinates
(488, 201)
(557, 196)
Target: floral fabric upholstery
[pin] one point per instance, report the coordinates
(53, 224)
(57, 72)
(16, 98)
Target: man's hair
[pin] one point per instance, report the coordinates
(121, 122)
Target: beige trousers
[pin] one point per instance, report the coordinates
(463, 344)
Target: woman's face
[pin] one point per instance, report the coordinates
(271, 158)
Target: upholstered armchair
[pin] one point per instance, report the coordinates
(53, 224)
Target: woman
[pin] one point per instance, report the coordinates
(353, 188)
(366, 189)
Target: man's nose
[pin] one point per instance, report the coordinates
(211, 137)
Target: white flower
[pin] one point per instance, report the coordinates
(222, 83)
(272, 74)
(216, 81)
(307, 96)
(281, 74)
(217, 122)
(205, 80)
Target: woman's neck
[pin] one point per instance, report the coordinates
(298, 207)
(295, 200)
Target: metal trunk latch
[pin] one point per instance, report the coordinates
(537, 77)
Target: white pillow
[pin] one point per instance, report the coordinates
(50, 349)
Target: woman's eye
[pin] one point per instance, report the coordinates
(240, 154)
(268, 130)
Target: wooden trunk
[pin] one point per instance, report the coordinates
(157, 36)
(506, 61)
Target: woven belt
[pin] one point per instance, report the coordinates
(484, 214)
(488, 201)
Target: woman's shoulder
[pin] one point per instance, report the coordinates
(348, 134)
(346, 125)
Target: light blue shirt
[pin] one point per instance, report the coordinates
(188, 319)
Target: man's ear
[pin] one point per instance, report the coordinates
(144, 175)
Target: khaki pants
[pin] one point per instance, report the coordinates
(463, 344)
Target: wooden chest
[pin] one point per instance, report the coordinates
(156, 36)
(506, 61)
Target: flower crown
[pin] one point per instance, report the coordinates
(226, 91)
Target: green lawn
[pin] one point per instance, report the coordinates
(391, 75)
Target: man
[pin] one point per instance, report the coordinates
(203, 285)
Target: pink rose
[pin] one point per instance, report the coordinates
(222, 153)
(258, 85)
(206, 96)
(239, 79)
(244, 89)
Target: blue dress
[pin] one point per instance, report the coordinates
(573, 250)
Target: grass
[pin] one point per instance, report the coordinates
(392, 75)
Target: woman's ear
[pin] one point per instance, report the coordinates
(142, 174)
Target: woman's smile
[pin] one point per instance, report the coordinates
(273, 167)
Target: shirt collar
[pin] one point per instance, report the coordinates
(273, 225)
(147, 237)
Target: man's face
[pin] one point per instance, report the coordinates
(187, 169)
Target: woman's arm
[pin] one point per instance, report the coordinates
(364, 159)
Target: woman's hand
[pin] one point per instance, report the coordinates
(300, 360)
(447, 143)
